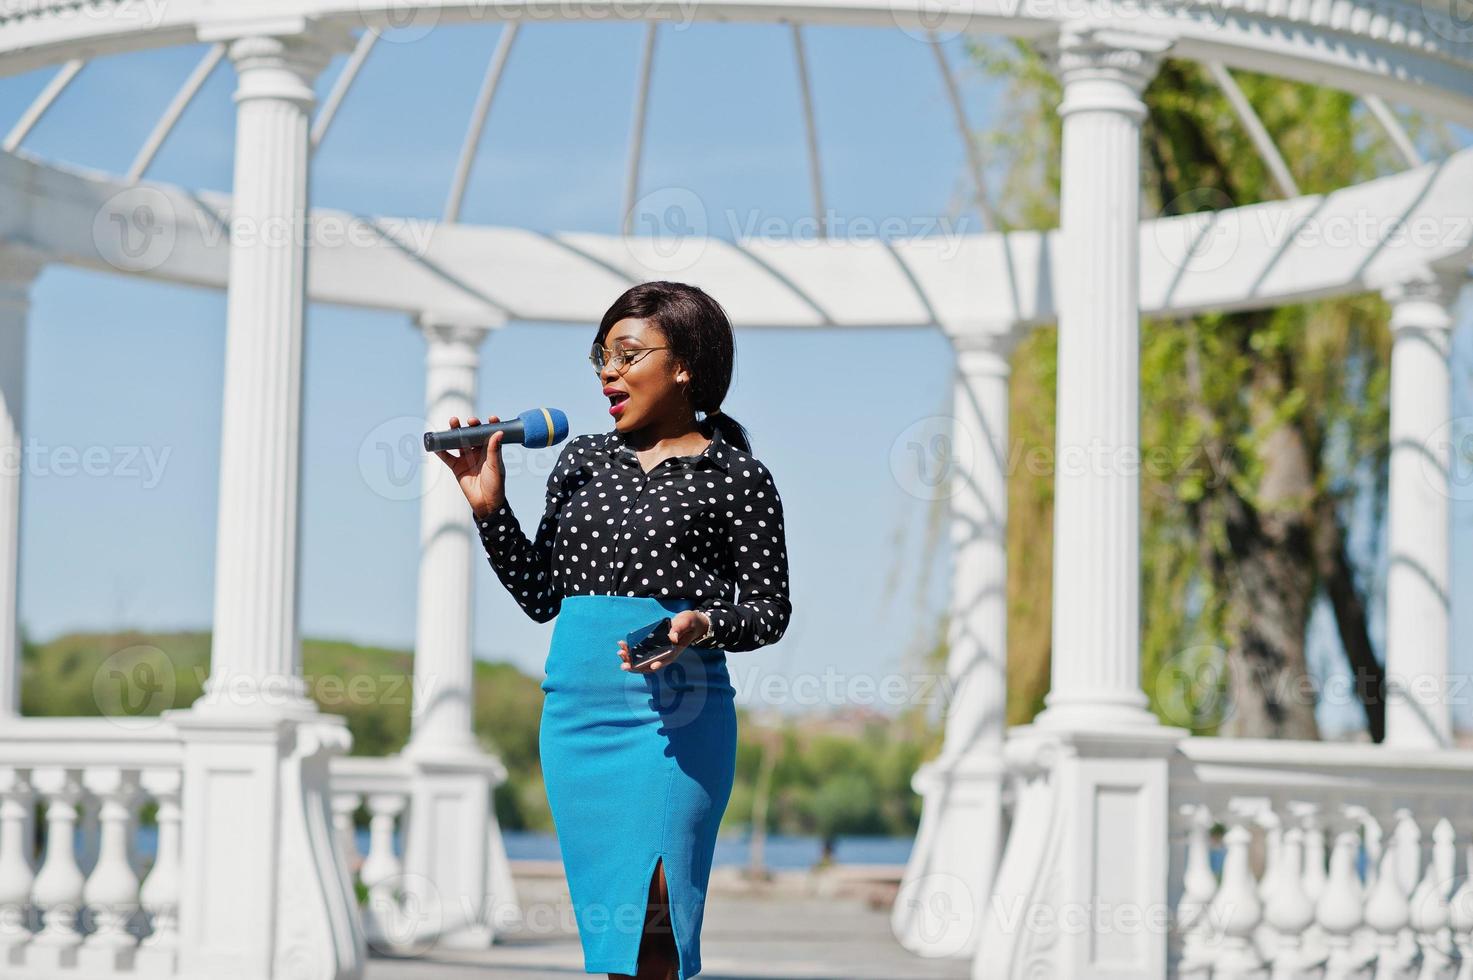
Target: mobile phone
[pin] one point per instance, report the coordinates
(649, 641)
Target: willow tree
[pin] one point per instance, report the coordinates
(1274, 422)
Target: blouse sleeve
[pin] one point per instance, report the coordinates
(759, 553)
(525, 567)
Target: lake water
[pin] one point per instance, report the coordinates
(782, 852)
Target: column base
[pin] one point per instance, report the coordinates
(265, 888)
(939, 909)
(453, 848)
(1085, 714)
(1082, 888)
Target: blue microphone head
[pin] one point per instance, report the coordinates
(543, 427)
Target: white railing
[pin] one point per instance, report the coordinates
(385, 786)
(1336, 861)
(75, 897)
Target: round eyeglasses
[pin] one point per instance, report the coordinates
(620, 359)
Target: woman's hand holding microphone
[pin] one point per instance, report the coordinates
(479, 470)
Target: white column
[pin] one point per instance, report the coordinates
(453, 846)
(18, 270)
(1096, 598)
(256, 650)
(1418, 613)
(443, 661)
(1090, 824)
(939, 908)
(264, 892)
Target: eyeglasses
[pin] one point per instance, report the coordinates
(621, 359)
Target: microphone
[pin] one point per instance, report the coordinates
(535, 428)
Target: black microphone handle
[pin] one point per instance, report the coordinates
(474, 435)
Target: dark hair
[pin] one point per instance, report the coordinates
(700, 337)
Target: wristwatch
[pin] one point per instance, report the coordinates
(710, 629)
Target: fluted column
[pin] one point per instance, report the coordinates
(255, 748)
(940, 905)
(256, 653)
(452, 843)
(1091, 814)
(443, 661)
(1418, 529)
(1096, 599)
(18, 270)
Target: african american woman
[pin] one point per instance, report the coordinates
(665, 515)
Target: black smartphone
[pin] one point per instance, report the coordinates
(649, 641)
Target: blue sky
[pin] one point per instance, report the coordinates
(136, 368)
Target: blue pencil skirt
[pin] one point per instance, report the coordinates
(638, 769)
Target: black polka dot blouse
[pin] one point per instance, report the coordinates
(700, 526)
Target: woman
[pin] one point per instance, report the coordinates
(662, 516)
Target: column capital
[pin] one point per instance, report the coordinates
(1095, 52)
(460, 329)
(979, 353)
(278, 57)
(1424, 284)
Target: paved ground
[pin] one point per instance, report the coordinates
(788, 936)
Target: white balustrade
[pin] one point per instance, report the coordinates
(73, 904)
(1392, 898)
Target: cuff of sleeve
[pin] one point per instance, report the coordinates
(493, 525)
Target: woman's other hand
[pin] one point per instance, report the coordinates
(479, 470)
(685, 627)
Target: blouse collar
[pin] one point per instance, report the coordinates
(717, 454)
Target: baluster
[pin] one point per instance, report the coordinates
(1265, 937)
(1365, 939)
(1387, 912)
(159, 951)
(1290, 910)
(1339, 910)
(1313, 836)
(344, 805)
(382, 870)
(1199, 884)
(111, 890)
(17, 874)
(1460, 909)
(58, 887)
(1430, 915)
(1409, 873)
(1235, 908)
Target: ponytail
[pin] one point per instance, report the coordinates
(731, 430)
